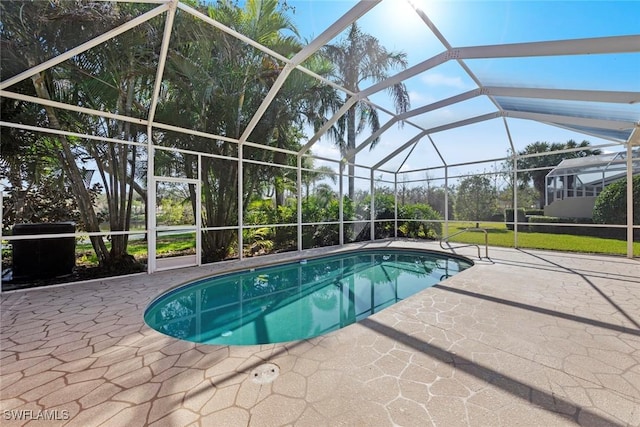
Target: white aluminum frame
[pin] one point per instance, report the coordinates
(598, 45)
(187, 261)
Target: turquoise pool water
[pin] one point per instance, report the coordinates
(297, 300)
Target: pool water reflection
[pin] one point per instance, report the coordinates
(298, 300)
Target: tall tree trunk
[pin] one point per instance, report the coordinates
(67, 160)
(540, 185)
(351, 144)
(123, 171)
(189, 161)
(279, 158)
(220, 204)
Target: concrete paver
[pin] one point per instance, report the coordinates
(528, 338)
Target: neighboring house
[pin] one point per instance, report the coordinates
(572, 187)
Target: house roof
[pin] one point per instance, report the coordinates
(605, 168)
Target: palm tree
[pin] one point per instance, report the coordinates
(123, 86)
(358, 58)
(311, 177)
(302, 100)
(31, 34)
(215, 83)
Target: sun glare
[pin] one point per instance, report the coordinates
(400, 15)
(396, 23)
(433, 9)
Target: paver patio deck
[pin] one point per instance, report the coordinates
(529, 338)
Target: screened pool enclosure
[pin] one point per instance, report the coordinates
(177, 133)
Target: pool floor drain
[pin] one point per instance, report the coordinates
(265, 374)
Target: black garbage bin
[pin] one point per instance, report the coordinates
(43, 258)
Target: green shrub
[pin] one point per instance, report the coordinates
(317, 210)
(536, 212)
(419, 230)
(508, 217)
(544, 219)
(550, 227)
(611, 204)
(557, 220)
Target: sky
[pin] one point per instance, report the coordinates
(473, 23)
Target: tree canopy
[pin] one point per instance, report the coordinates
(358, 58)
(611, 205)
(476, 199)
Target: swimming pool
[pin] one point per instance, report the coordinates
(297, 300)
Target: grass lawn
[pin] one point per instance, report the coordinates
(179, 244)
(499, 235)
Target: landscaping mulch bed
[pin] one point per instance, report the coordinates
(80, 273)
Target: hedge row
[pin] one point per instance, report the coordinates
(545, 224)
(522, 216)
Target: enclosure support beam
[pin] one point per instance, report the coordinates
(341, 204)
(436, 129)
(327, 125)
(231, 32)
(355, 13)
(586, 46)
(446, 201)
(630, 193)
(515, 184)
(1, 217)
(571, 120)
(578, 95)
(69, 107)
(395, 204)
(398, 78)
(428, 64)
(435, 147)
(350, 155)
(515, 201)
(151, 207)
(240, 202)
(408, 155)
(617, 97)
(72, 134)
(85, 46)
(372, 216)
(425, 109)
(299, 205)
(151, 183)
(198, 214)
(271, 95)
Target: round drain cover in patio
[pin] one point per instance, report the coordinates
(264, 374)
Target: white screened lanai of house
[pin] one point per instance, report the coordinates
(483, 80)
